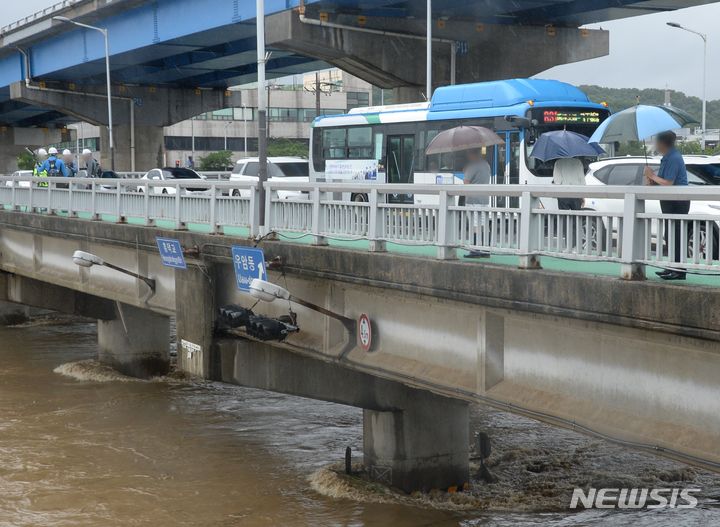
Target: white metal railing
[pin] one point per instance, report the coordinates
(180, 202)
(40, 15)
(526, 221)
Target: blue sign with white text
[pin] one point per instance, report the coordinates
(171, 253)
(249, 265)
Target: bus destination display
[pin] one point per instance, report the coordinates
(571, 117)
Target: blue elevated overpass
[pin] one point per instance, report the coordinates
(209, 45)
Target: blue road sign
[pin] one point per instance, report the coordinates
(249, 264)
(171, 253)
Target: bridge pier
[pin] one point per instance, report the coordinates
(423, 446)
(13, 314)
(135, 342)
(412, 439)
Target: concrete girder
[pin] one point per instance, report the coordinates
(20, 292)
(152, 109)
(390, 61)
(153, 106)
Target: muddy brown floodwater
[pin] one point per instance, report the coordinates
(81, 445)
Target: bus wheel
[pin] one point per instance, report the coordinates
(360, 198)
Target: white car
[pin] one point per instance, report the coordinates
(289, 169)
(628, 171)
(21, 184)
(173, 174)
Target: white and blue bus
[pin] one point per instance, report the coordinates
(387, 144)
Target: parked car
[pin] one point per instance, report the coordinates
(291, 169)
(172, 174)
(20, 173)
(628, 171)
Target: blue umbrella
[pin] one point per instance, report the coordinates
(637, 124)
(563, 144)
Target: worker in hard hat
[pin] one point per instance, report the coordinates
(40, 156)
(69, 160)
(92, 166)
(54, 166)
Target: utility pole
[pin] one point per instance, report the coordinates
(262, 108)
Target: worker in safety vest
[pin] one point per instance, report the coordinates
(38, 170)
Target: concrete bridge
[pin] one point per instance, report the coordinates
(630, 359)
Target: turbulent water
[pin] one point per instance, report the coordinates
(81, 445)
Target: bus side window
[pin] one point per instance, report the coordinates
(335, 143)
(360, 145)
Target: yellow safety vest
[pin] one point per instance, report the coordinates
(42, 174)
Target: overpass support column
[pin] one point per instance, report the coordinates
(136, 342)
(424, 446)
(149, 147)
(195, 316)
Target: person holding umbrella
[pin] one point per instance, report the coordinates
(638, 124)
(672, 172)
(564, 148)
(470, 140)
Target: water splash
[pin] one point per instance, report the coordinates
(92, 371)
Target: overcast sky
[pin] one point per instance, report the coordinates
(645, 53)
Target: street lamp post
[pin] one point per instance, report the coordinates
(262, 107)
(703, 36)
(429, 45)
(244, 110)
(85, 259)
(105, 35)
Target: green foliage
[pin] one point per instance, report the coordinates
(633, 148)
(288, 147)
(25, 161)
(621, 98)
(216, 162)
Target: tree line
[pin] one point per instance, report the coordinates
(619, 99)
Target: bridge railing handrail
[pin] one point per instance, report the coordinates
(523, 220)
(38, 15)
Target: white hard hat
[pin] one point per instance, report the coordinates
(52, 151)
(87, 152)
(67, 152)
(42, 152)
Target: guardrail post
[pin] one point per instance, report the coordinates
(50, 208)
(94, 216)
(71, 210)
(118, 203)
(268, 227)
(446, 245)
(317, 226)
(149, 222)
(179, 224)
(633, 239)
(13, 197)
(375, 223)
(30, 207)
(213, 211)
(254, 211)
(529, 232)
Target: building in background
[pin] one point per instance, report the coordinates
(292, 105)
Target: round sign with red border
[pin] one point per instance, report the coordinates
(364, 333)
